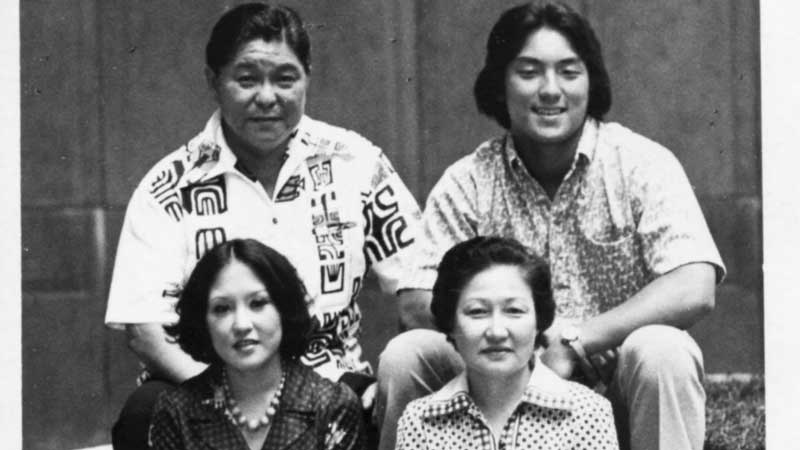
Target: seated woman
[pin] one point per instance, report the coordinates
(243, 311)
(493, 301)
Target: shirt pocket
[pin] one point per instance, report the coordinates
(610, 266)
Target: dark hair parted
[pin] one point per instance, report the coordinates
(251, 21)
(509, 35)
(273, 269)
(466, 259)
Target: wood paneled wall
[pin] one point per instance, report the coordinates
(110, 86)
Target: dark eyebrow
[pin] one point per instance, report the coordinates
(245, 65)
(561, 62)
(252, 64)
(287, 66)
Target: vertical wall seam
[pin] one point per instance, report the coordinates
(403, 90)
(99, 212)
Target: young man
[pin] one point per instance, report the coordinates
(613, 213)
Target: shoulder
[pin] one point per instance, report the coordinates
(192, 391)
(170, 168)
(199, 153)
(482, 163)
(317, 389)
(336, 140)
(632, 148)
(586, 401)
(447, 400)
(483, 158)
(418, 406)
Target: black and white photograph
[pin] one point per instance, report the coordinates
(402, 224)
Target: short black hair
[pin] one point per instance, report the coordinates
(466, 259)
(284, 286)
(509, 35)
(251, 21)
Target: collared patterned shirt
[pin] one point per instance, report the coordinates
(338, 209)
(313, 414)
(553, 414)
(624, 215)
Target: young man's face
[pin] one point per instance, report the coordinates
(547, 89)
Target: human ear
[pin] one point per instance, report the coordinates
(211, 80)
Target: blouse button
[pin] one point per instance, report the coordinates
(275, 220)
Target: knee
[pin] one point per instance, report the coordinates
(408, 349)
(130, 430)
(659, 352)
(141, 402)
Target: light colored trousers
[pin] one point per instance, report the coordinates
(656, 391)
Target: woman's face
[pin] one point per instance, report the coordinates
(261, 93)
(547, 89)
(244, 325)
(495, 323)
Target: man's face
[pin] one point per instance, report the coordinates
(262, 93)
(547, 89)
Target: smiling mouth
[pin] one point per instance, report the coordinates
(548, 112)
(245, 344)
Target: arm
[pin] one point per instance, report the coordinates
(392, 222)
(676, 244)
(450, 217)
(678, 298)
(162, 358)
(164, 432)
(344, 422)
(415, 309)
(148, 273)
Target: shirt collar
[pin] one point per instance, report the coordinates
(545, 388)
(586, 145)
(296, 396)
(210, 155)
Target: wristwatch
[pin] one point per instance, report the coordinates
(571, 337)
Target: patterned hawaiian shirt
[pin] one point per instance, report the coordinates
(338, 210)
(553, 414)
(624, 215)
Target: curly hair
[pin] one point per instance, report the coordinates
(510, 34)
(276, 273)
(466, 259)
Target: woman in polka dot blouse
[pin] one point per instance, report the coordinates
(493, 300)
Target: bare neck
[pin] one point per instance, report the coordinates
(547, 163)
(264, 164)
(253, 384)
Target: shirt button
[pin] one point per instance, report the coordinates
(275, 220)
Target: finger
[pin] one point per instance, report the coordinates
(368, 397)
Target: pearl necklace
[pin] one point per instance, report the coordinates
(237, 418)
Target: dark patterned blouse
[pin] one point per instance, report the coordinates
(313, 413)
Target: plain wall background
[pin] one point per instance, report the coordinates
(108, 87)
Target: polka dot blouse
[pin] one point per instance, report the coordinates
(552, 414)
